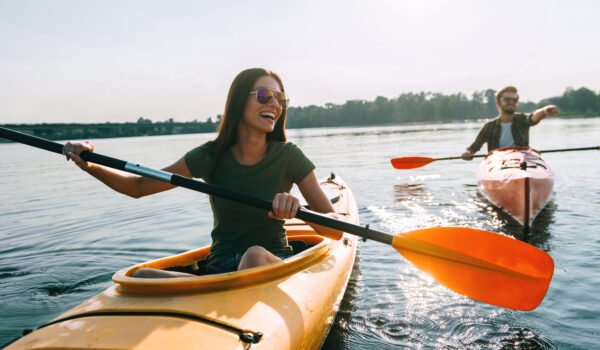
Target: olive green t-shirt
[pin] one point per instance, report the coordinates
(239, 226)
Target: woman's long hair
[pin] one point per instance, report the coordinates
(235, 105)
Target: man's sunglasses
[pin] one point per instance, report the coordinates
(263, 96)
(510, 99)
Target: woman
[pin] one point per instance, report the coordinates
(250, 154)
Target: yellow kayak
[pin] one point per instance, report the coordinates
(285, 305)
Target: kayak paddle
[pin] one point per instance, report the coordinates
(417, 162)
(481, 265)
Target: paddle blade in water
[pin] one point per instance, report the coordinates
(410, 162)
(481, 265)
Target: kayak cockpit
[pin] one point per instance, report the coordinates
(314, 248)
(309, 248)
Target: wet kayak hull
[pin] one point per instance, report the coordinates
(517, 180)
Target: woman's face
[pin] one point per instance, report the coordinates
(258, 116)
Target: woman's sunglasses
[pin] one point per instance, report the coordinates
(263, 96)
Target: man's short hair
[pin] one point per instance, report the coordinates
(505, 89)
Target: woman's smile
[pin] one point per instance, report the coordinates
(268, 115)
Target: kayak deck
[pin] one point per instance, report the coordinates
(285, 305)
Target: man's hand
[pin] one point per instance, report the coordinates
(551, 110)
(467, 155)
(543, 112)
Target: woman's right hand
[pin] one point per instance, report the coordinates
(285, 206)
(72, 150)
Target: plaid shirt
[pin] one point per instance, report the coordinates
(490, 132)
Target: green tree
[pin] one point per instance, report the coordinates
(490, 106)
(583, 100)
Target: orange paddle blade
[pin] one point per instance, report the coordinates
(481, 265)
(410, 162)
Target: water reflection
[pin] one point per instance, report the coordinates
(340, 333)
(539, 231)
(408, 192)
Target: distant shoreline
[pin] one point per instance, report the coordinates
(68, 131)
(77, 131)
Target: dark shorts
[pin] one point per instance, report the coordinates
(231, 263)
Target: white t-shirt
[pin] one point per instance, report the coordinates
(506, 137)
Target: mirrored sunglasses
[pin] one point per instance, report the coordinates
(263, 96)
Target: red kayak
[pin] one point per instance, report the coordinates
(517, 180)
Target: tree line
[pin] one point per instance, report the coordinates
(143, 127)
(433, 107)
(406, 108)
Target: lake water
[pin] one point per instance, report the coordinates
(63, 234)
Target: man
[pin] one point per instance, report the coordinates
(509, 129)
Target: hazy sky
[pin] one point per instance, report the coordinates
(97, 61)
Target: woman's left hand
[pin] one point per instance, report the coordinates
(285, 206)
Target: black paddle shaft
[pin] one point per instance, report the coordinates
(195, 185)
(544, 151)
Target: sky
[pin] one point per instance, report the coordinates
(81, 61)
